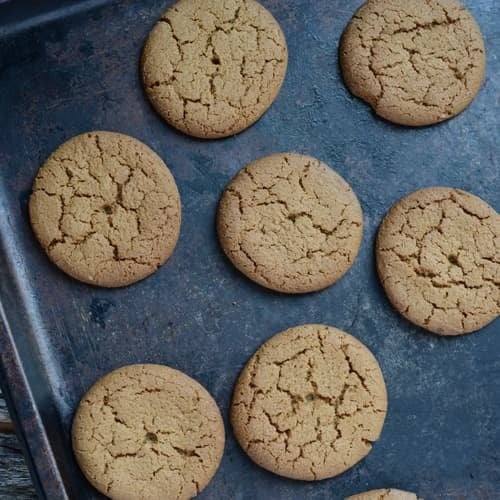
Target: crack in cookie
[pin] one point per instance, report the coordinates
(438, 259)
(309, 403)
(415, 62)
(211, 69)
(106, 209)
(148, 431)
(290, 223)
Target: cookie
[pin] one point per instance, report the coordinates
(415, 62)
(148, 432)
(438, 257)
(106, 209)
(387, 494)
(212, 69)
(309, 403)
(290, 223)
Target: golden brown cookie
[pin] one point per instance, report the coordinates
(386, 494)
(212, 69)
(415, 62)
(309, 403)
(148, 432)
(438, 256)
(106, 209)
(290, 223)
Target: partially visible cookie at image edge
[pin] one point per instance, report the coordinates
(149, 432)
(438, 257)
(212, 69)
(384, 494)
(416, 63)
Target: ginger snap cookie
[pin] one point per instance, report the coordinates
(148, 432)
(438, 257)
(309, 403)
(290, 223)
(415, 62)
(212, 69)
(385, 494)
(106, 209)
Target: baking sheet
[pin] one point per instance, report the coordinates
(75, 69)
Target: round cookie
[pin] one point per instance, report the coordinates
(385, 494)
(212, 69)
(149, 432)
(309, 403)
(438, 257)
(290, 223)
(106, 209)
(415, 62)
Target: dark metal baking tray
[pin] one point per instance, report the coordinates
(74, 68)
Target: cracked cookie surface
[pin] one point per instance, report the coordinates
(384, 494)
(149, 432)
(290, 223)
(438, 257)
(212, 69)
(416, 62)
(106, 209)
(309, 403)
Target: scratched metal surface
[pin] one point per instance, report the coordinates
(78, 72)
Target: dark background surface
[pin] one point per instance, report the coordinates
(15, 483)
(79, 72)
